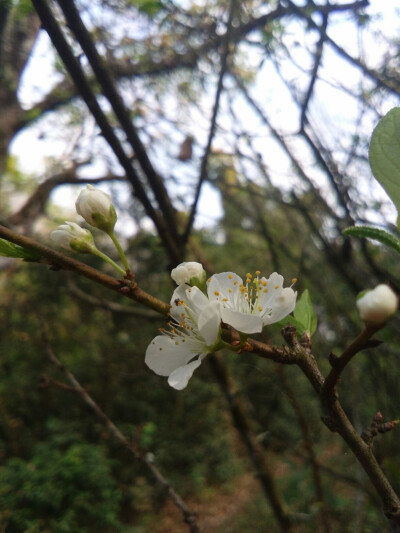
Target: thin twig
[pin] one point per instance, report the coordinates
(207, 151)
(189, 516)
(75, 70)
(255, 450)
(314, 73)
(104, 78)
(339, 363)
(57, 260)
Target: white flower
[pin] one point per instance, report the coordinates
(185, 272)
(96, 208)
(194, 333)
(72, 237)
(378, 305)
(251, 306)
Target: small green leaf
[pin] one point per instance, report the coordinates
(384, 154)
(9, 249)
(304, 313)
(376, 234)
(304, 318)
(291, 320)
(149, 7)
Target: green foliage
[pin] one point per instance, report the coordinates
(375, 234)
(384, 154)
(9, 249)
(149, 7)
(24, 7)
(59, 491)
(304, 317)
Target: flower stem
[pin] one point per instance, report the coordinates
(119, 250)
(109, 260)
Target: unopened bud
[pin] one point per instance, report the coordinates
(96, 208)
(378, 305)
(72, 237)
(191, 273)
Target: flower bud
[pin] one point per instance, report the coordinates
(378, 305)
(72, 237)
(190, 272)
(96, 208)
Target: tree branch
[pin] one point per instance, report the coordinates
(189, 516)
(211, 133)
(75, 70)
(104, 78)
(57, 260)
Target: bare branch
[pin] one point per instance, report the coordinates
(103, 76)
(57, 260)
(211, 133)
(189, 516)
(74, 68)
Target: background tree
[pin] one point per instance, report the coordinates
(250, 85)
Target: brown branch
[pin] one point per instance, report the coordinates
(57, 260)
(314, 73)
(337, 421)
(114, 307)
(287, 149)
(370, 73)
(377, 426)
(75, 70)
(339, 363)
(309, 447)
(213, 124)
(255, 450)
(109, 90)
(189, 516)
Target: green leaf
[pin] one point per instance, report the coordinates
(9, 249)
(384, 154)
(376, 234)
(149, 7)
(304, 318)
(304, 313)
(291, 320)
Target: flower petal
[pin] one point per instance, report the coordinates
(241, 321)
(195, 302)
(209, 322)
(165, 354)
(196, 299)
(179, 378)
(225, 288)
(282, 306)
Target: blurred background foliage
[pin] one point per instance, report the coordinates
(60, 468)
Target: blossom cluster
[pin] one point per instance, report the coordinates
(198, 308)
